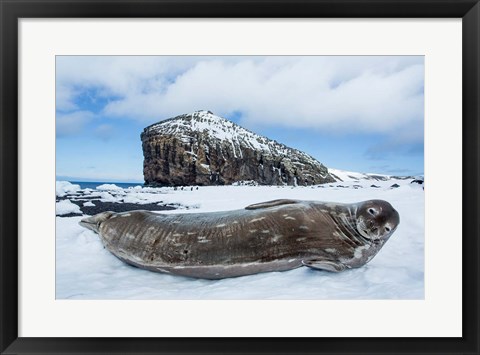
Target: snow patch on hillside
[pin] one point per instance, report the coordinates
(223, 130)
(349, 176)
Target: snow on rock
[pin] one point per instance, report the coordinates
(108, 187)
(201, 148)
(136, 188)
(66, 207)
(218, 127)
(62, 188)
(107, 197)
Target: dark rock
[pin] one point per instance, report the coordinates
(204, 149)
(101, 206)
(374, 186)
(405, 177)
(378, 177)
(69, 215)
(417, 181)
(394, 186)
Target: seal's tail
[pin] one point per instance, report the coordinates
(93, 222)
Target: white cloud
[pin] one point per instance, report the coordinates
(64, 97)
(104, 132)
(118, 76)
(72, 123)
(369, 94)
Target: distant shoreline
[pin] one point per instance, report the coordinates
(94, 184)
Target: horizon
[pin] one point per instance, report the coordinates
(359, 114)
(93, 180)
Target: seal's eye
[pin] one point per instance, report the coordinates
(387, 229)
(372, 211)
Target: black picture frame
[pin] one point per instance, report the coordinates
(12, 11)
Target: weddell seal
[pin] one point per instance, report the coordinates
(276, 235)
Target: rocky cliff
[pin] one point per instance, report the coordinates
(203, 149)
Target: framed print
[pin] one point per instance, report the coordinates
(195, 177)
(192, 161)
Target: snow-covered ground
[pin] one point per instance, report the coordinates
(85, 270)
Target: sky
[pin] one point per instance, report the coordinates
(356, 113)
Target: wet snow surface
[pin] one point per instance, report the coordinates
(85, 270)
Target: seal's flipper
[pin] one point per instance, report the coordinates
(269, 204)
(324, 265)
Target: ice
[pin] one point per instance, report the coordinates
(108, 187)
(85, 270)
(137, 188)
(62, 188)
(66, 207)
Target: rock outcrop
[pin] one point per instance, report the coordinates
(203, 149)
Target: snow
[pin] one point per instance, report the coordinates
(138, 187)
(85, 270)
(106, 197)
(66, 207)
(62, 188)
(354, 176)
(223, 130)
(344, 175)
(205, 166)
(108, 187)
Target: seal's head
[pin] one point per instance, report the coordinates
(376, 220)
(93, 222)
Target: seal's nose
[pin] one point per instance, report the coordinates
(93, 222)
(89, 223)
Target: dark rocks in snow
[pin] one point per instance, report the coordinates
(69, 215)
(97, 206)
(400, 177)
(394, 186)
(245, 183)
(203, 149)
(101, 206)
(375, 186)
(378, 177)
(417, 181)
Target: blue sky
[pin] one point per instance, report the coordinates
(357, 113)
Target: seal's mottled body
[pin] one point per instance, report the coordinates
(272, 236)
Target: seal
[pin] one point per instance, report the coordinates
(276, 235)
